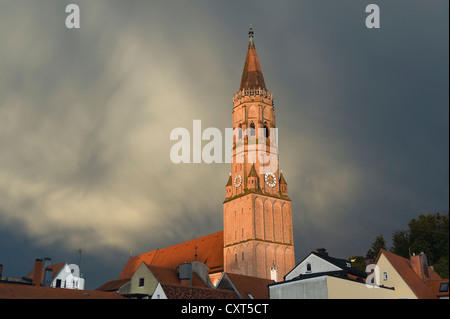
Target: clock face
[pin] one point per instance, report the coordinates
(237, 180)
(270, 179)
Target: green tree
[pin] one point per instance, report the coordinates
(428, 234)
(400, 243)
(377, 245)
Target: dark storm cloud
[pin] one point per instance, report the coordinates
(86, 117)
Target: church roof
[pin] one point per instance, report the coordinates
(209, 250)
(252, 77)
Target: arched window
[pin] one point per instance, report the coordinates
(252, 129)
(266, 130)
(240, 131)
(308, 267)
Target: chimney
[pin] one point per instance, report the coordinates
(420, 266)
(47, 261)
(322, 252)
(48, 274)
(37, 272)
(185, 274)
(202, 271)
(274, 272)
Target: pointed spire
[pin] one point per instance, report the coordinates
(230, 181)
(253, 172)
(282, 180)
(252, 77)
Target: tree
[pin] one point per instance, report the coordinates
(400, 242)
(428, 234)
(377, 245)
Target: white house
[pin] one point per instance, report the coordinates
(320, 262)
(61, 275)
(320, 276)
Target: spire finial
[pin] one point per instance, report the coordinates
(250, 35)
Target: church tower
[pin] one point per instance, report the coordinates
(258, 235)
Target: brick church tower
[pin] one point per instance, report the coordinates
(258, 238)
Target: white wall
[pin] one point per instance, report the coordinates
(312, 288)
(159, 293)
(68, 280)
(317, 265)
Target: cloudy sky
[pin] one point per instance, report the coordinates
(86, 115)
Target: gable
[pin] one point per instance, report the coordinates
(318, 265)
(401, 275)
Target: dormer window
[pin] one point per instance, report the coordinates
(308, 267)
(443, 287)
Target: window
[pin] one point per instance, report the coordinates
(385, 276)
(252, 129)
(141, 282)
(443, 287)
(308, 267)
(266, 130)
(242, 255)
(240, 131)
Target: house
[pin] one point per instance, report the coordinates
(207, 249)
(60, 275)
(320, 276)
(412, 278)
(147, 278)
(48, 281)
(246, 287)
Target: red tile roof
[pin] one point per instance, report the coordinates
(113, 285)
(423, 290)
(170, 276)
(189, 292)
(56, 268)
(209, 251)
(245, 285)
(14, 291)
